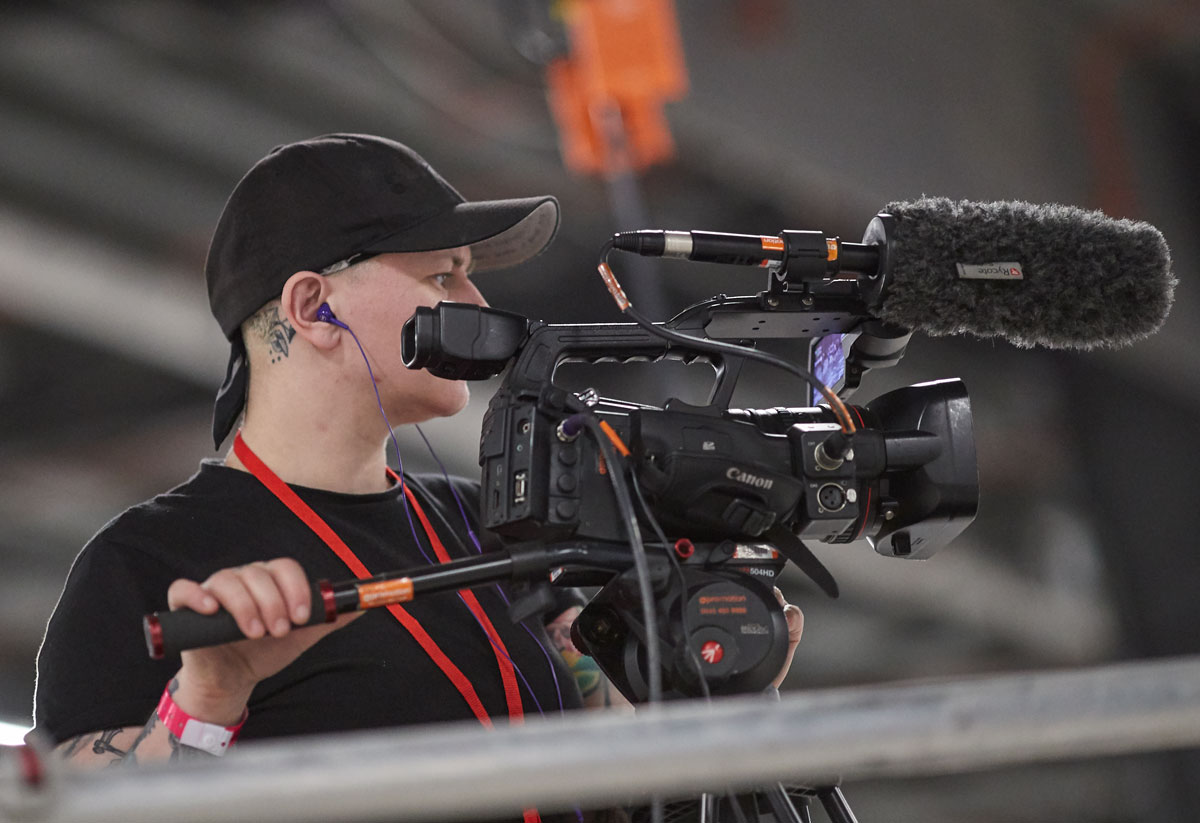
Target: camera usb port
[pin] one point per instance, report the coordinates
(519, 490)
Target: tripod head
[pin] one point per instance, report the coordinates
(720, 628)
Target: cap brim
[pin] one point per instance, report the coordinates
(500, 233)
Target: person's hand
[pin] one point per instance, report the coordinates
(271, 601)
(795, 624)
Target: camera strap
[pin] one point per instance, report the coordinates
(323, 530)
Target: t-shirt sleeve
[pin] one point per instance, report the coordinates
(93, 670)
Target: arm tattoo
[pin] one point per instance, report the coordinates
(179, 751)
(275, 330)
(103, 743)
(75, 745)
(131, 756)
(583, 668)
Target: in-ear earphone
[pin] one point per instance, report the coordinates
(326, 315)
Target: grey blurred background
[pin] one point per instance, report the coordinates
(124, 125)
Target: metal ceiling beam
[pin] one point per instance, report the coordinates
(83, 288)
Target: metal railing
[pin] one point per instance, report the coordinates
(815, 738)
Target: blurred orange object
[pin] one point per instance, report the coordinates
(607, 94)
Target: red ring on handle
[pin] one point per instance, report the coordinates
(684, 548)
(326, 589)
(154, 636)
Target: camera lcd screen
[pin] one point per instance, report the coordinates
(827, 359)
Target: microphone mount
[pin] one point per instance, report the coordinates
(810, 257)
(795, 260)
(816, 286)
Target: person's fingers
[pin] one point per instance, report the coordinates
(795, 621)
(294, 584)
(795, 624)
(793, 615)
(188, 594)
(268, 598)
(228, 586)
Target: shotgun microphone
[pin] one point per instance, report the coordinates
(1050, 275)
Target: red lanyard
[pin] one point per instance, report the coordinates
(322, 529)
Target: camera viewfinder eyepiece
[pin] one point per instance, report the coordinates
(462, 341)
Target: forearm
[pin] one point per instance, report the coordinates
(130, 745)
(97, 750)
(600, 692)
(268, 599)
(153, 742)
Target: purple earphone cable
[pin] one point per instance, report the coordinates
(498, 587)
(326, 315)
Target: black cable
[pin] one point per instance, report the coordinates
(638, 549)
(642, 568)
(678, 568)
(718, 346)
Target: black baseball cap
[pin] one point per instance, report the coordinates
(309, 205)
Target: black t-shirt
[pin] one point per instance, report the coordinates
(94, 672)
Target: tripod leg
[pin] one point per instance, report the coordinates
(735, 803)
(835, 805)
(782, 807)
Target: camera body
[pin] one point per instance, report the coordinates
(743, 488)
(909, 485)
(707, 477)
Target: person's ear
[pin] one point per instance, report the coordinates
(303, 295)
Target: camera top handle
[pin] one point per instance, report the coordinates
(468, 342)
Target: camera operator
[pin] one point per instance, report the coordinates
(323, 250)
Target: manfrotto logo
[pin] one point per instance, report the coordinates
(754, 480)
(990, 271)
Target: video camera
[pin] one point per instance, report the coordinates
(571, 480)
(730, 494)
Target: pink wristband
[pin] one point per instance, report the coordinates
(208, 737)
